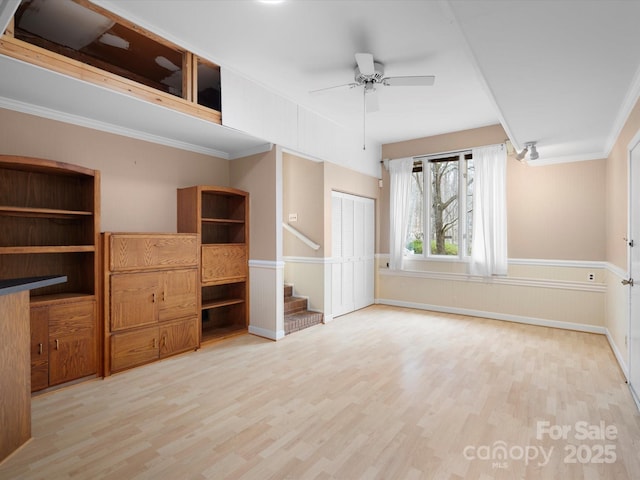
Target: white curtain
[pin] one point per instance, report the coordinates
(400, 189)
(489, 248)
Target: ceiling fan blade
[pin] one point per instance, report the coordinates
(335, 87)
(365, 63)
(371, 102)
(410, 81)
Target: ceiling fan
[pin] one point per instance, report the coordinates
(369, 74)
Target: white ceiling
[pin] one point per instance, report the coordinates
(563, 73)
(302, 45)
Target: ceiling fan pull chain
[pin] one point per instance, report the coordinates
(364, 119)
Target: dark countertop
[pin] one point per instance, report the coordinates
(15, 285)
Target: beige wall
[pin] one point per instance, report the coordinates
(617, 177)
(556, 211)
(307, 187)
(138, 179)
(259, 175)
(303, 187)
(447, 142)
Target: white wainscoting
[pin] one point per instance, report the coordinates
(267, 299)
(546, 293)
(306, 274)
(617, 315)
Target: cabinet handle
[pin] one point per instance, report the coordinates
(154, 343)
(164, 340)
(39, 349)
(163, 295)
(57, 344)
(153, 297)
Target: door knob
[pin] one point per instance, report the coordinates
(627, 282)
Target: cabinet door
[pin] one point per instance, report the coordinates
(134, 300)
(129, 349)
(39, 348)
(72, 341)
(179, 336)
(179, 294)
(132, 252)
(224, 263)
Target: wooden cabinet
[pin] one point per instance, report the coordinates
(224, 263)
(63, 341)
(50, 219)
(39, 349)
(152, 297)
(221, 216)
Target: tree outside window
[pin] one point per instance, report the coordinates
(447, 200)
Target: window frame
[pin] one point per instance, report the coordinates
(463, 236)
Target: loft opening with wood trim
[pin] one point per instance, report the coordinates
(82, 40)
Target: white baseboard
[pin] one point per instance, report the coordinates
(634, 396)
(619, 357)
(263, 332)
(580, 327)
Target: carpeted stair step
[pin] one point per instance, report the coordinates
(300, 320)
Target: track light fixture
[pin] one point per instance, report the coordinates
(531, 148)
(520, 156)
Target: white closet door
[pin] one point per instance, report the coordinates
(359, 266)
(634, 272)
(337, 298)
(353, 223)
(347, 259)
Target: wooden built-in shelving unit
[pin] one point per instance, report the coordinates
(50, 219)
(221, 216)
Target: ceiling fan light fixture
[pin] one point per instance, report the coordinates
(363, 76)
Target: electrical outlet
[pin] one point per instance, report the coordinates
(591, 277)
(293, 217)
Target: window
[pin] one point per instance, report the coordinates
(441, 206)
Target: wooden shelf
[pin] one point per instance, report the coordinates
(220, 333)
(47, 249)
(224, 281)
(223, 221)
(222, 303)
(42, 212)
(220, 244)
(59, 298)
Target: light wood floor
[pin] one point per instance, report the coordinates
(383, 393)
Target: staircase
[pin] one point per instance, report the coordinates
(296, 315)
